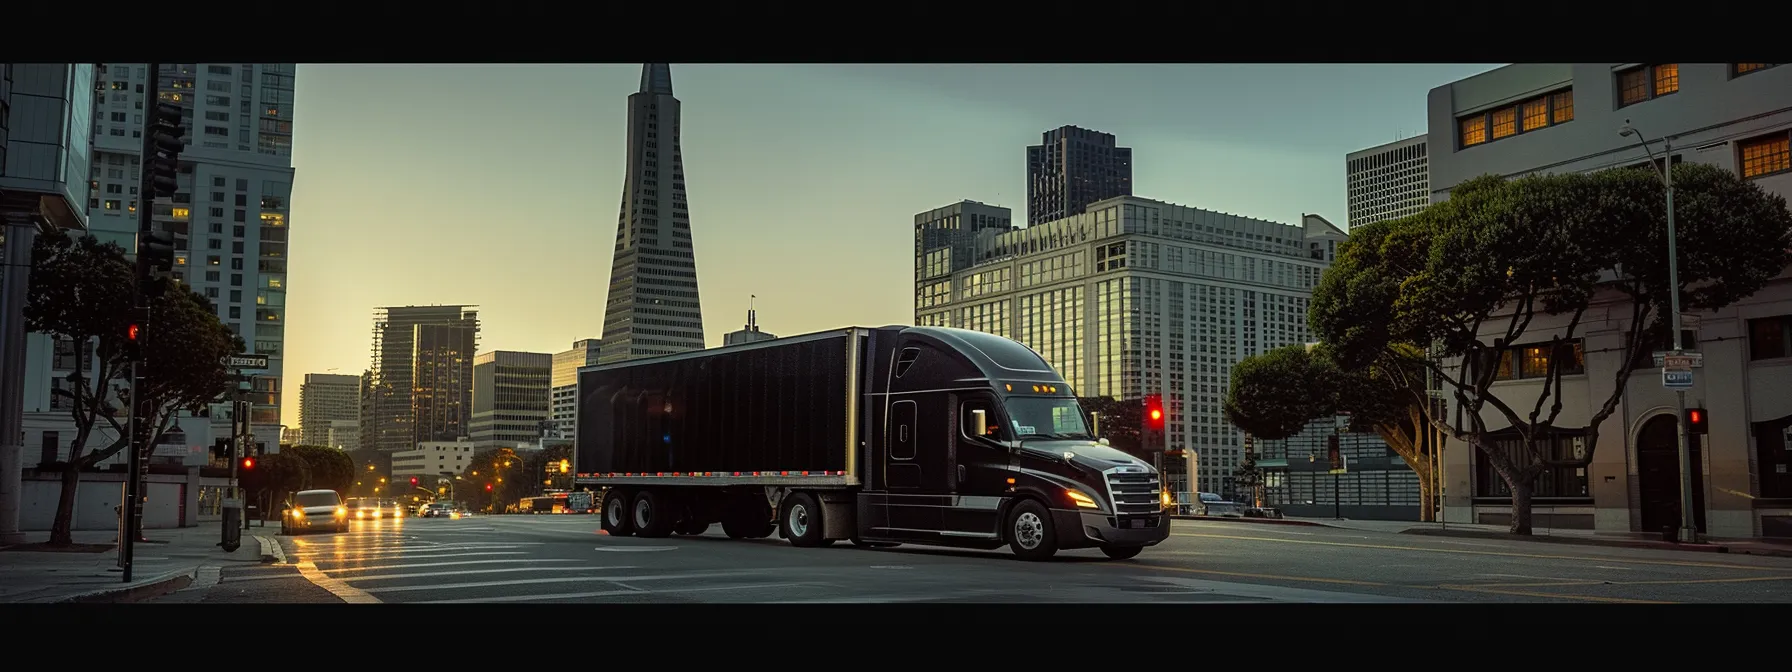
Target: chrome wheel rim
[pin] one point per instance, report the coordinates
(1029, 530)
(799, 520)
(614, 512)
(643, 514)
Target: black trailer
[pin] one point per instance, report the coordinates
(877, 435)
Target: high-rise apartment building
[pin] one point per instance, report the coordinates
(1071, 168)
(1387, 182)
(325, 399)
(510, 397)
(344, 435)
(563, 395)
(653, 307)
(1134, 297)
(420, 387)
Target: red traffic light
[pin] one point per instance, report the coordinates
(1695, 421)
(1154, 411)
(248, 463)
(488, 487)
(413, 480)
(132, 332)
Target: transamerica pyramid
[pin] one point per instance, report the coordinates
(653, 307)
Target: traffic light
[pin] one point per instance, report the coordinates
(1154, 412)
(133, 342)
(1332, 455)
(165, 144)
(1696, 421)
(488, 487)
(155, 260)
(413, 481)
(248, 463)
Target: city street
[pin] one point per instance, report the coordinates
(564, 559)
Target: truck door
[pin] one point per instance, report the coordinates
(913, 513)
(981, 467)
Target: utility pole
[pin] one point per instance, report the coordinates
(158, 169)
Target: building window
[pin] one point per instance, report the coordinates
(1773, 457)
(1647, 82)
(52, 448)
(1767, 337)
(1765, 155)
(1527, 362)
(1535, 113)
(1556, 482)
(1740, 69)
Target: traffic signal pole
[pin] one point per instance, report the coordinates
(133, 486)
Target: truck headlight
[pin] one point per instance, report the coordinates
(1166, 499)
(298, 513)
(1082, 500)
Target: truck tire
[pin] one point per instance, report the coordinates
(1122, 552)
(1030, 533)
(619, 521)
(802, 521)
(650, 515)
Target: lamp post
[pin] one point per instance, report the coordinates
(1689, 529)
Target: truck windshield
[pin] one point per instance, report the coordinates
(1046, 418)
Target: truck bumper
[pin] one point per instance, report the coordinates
(1080, 529)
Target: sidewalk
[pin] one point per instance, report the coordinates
(1540, 535)
(169, 563)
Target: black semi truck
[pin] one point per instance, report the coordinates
(881, 436)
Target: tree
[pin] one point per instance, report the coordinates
(275, 476)
(1120, 422)
(82, 291)
(1275, 396)
(330, 469)
(1474, 274)
(544, 465)
(503, 470)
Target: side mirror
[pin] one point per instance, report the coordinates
(1102, 440)
(981, 418)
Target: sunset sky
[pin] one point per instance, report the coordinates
(499, 185)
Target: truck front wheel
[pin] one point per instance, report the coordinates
(618, 519)
(1030, 532)
(802, 521)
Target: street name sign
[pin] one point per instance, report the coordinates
(247, 361)
(1676, 380)
(1680, 360)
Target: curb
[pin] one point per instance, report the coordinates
(1254, 521)
(1617, 543)
(156, 587)
(270, 549)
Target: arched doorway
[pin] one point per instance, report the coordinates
(1658, 475)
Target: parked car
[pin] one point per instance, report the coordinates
(1215, 505)
(312, 509)
(436, 510)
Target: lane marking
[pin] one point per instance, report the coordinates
(468, 572)
(340, 589)
(1552, 596)
(1248, 575)
(1508, 554)
(417, 552)
(612, 593)
(363, 558)
(635, 549)
(443, 564)
(568, 579)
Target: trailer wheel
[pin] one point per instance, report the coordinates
(649, 514)
(618, 521)
(1122, 552)
(1030, 533)
(802, 521)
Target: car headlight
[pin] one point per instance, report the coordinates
(298, 513)
(341, 511)
(1082, 500)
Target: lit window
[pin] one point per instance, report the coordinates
(1505, 122)
(1563, 106)
(1737, 69)
(1667, 78)
(1765, 156)
(1633, 86)
(1536, 114)
(1474, 130)
(180, 213)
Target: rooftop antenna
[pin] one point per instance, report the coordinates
(752, 317)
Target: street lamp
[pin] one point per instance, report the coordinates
(1689, 530)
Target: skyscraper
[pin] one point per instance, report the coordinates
(324, 399)
(1387, 182)
(421, 384)
(1072, 168)
(653, 307)
(563, 404)
(510, 397)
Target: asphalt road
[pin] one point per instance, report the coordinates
(544, 559)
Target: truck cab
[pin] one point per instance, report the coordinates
(980, 444)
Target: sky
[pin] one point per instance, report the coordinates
(499, 185)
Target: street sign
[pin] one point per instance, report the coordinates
(247, 361)
(1680, 360)
(1676, 379)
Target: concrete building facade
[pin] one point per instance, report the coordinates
(420, 387)
(46, 112)
(748, 334)
(344, 435)
(653, 307)
(511, 397)
(1133, 297)
(430, 459)
(563, 394)
(1555, 118)
(1072, 168)
(324, 400)
(1387, 182)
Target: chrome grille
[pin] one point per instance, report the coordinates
(1135, 491)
